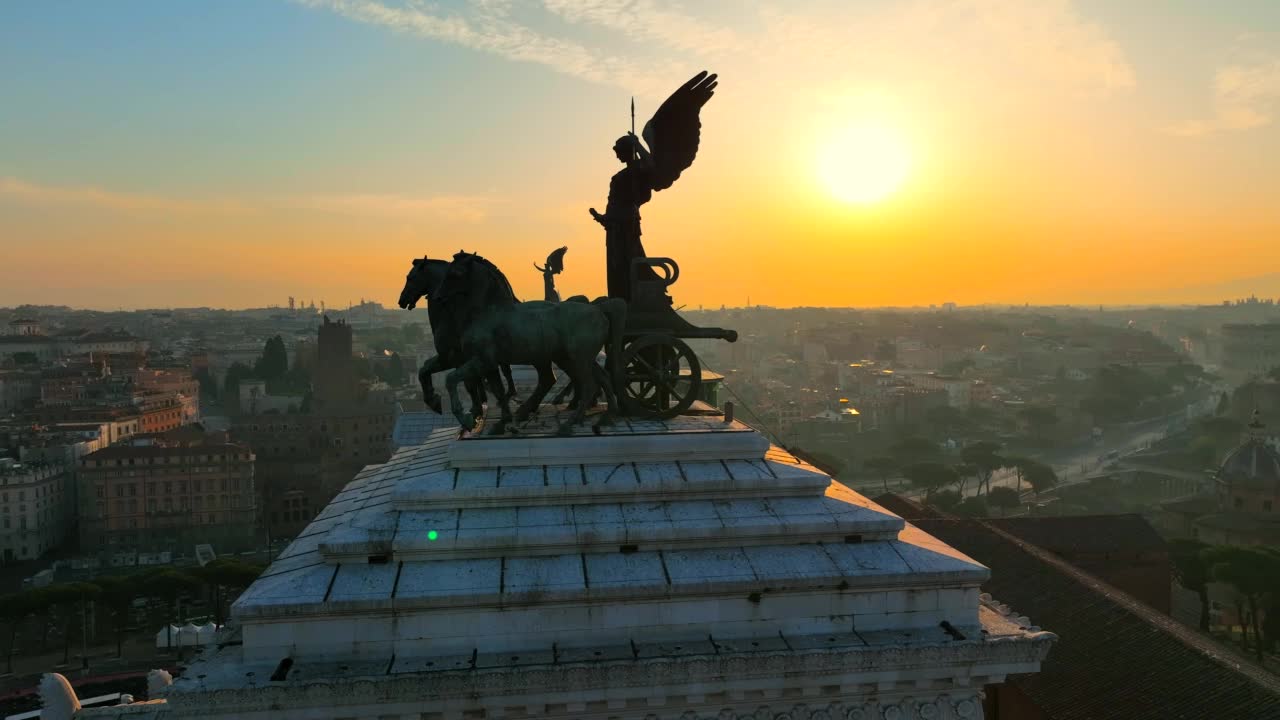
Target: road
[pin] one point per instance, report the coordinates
(1076, 466)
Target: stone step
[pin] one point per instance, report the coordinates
(771, 474)
(523, 602)
(613, 527)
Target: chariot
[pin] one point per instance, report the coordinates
(658, 375)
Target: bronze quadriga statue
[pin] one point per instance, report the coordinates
(481, 328)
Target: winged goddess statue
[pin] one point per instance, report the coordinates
(672, 137)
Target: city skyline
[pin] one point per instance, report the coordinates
(1058, 152)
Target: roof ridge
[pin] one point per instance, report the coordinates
(1191, 638)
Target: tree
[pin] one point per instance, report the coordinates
(14, 610)
(231, 384)
(1016, 463)
(118, 593)
(930, 477)
(411, 334)
(169, 585)
(883, 466)
(1253, 573)
(1221, 430)
(208, 385)
(225, 575)
(945, 499)
(1040, 476)
(914, 449)
(396, 370)
(1192, 572)
(274, 361)
(40, 602)
(72, 601)
(1005, 498)
(964, 471)
(1039, 419)
(984, 456)
(975, 506)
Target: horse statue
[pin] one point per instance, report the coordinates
(538, 333)
(424, 279)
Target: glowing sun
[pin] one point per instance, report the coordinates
(864, 163)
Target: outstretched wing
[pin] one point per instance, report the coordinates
(555, 260)
(672, 134)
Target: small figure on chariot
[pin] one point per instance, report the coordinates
(554, 266)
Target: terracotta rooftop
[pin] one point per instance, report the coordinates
(906, 508)
(1115, 657)
(1084, 533)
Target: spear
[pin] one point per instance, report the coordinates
(633, 125)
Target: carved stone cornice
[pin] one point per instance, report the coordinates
(586, 680)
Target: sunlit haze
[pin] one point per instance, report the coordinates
(864, 164)
(232, 154)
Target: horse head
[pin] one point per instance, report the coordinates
(472, 284)
(423, 279)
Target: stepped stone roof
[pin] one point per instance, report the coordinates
(680, 554)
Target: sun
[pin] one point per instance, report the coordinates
(864, 163)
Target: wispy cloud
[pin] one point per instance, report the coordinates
(489, 26)
(978, 42)
(458, 208)
(20, 191)
(650, 22)
(1246, 95)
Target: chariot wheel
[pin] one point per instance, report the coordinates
(660, 376)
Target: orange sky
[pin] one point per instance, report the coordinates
(1060, 151)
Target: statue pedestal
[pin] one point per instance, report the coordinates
(536, 442)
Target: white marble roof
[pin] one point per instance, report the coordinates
(423, 559)
(412, 428)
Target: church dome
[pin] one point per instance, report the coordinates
(1253, 463)
(1249, 478)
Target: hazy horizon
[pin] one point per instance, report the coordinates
(229, 155)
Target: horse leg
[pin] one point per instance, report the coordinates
(546, 378)
(584, 386)
(463, 373)
(493, 377)
(433, 364)
(475, 390)
(511, 383)
(606, 388)
(564, 393)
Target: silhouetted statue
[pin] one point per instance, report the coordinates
(554, 266)
(538, 333)
(672, 135)
(423, 280)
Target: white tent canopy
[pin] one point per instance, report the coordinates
(166, 635)
(190, 635)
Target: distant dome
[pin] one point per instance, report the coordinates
(1254, 464)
